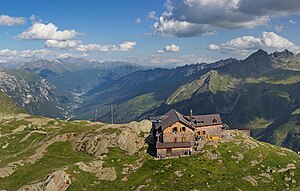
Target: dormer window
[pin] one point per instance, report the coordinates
(214, 121)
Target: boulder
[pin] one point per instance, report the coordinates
(57, 181)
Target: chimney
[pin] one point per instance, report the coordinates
(191, 115)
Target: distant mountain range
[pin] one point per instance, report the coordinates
(261, 93)
(33, 93)
(59, 82)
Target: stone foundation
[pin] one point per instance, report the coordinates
(172, 152)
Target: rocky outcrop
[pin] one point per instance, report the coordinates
(6, 171)
(251, 180)
(96, 168)
(212, 155)
(238, 157)
(129, 137)
(288, 167)
(57, 181)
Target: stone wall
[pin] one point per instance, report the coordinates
(170, 136)
(212, 131)
(174, 152)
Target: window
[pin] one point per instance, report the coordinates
(203, 133)
(175, 140)
(214, 121)
(183, 129)
(161, 138)
(183, 139)
(198, 132)
(175, 129)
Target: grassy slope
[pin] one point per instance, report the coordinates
(198, 172)
(212, 81)
(262, 100)
(7, 106)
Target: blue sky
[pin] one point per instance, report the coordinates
(150, 32)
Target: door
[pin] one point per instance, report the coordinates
(169, 152)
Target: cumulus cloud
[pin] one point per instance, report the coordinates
(67, 44)
(6, 20)
(243, 45)
(123, 47)
(41, 31)
(14, 54)
(152, 15)
(169, 48)
(181, 28)
(205, 16)
(126, 46)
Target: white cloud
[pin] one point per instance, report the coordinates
(138, 20)
(126, 46)
(279, 28)
(270, 40)
(15, 54)
(170, 48)
(242, 45)
(123, 47)
(191, 15)
(41, 31)
(68, 55)
(152, 15)
(35, 19)
(157, 60)
(292, 22)
(6, 20)
(67, 44)
(3, 61)
(213, 47)
(181, 28)
(93, 47)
